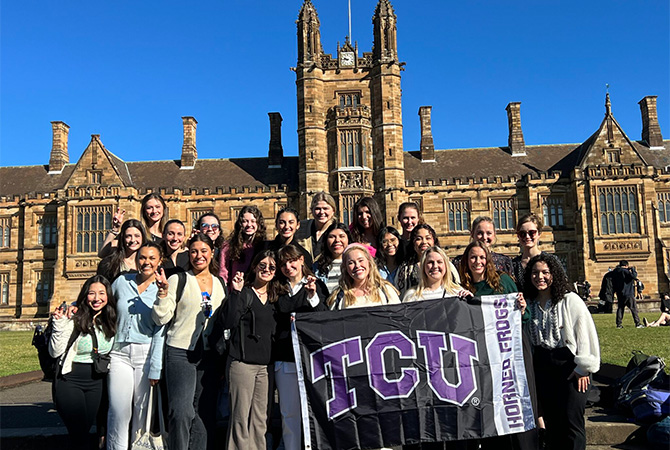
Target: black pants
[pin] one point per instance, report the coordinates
(77, 396)
(632, 305)
(562, 405)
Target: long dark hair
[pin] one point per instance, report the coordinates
(357, 232)
(202, 237)
(325, 260)
(275, 287)
(145, 218)
(413, 256)
(219, 240)
(236, 239)
(559, 280)
(381, 254)
(83, 318)
(491, 275)
(119, 254)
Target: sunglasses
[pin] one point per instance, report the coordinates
(213, 226)
(263, 267)
(523, 234)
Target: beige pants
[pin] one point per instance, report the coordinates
(248, 384)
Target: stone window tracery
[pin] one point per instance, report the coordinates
(47, 230)
(503, 214)
(4, 288)
(552, 211)
(618, 210)
(44, 286)
(458, 215)
(5, 231)
(92, 224)
(663, 206)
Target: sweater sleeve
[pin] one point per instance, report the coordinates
(586, 345)
(62, 330)
(163, 310)
(223, 267)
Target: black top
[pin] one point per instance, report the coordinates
(623, 282)
(252, 327)
(282, 348)
(277, 244)
(183, 264)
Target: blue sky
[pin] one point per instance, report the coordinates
(130, 70)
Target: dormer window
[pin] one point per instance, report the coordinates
(94, 176)
(613, 156)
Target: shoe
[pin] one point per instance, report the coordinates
(640, 326)
(645, 321)
(619, 326)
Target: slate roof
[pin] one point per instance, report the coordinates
(20, 180)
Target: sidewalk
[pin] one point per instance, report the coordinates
(28, 421)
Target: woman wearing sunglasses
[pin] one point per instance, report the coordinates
(250, 316)
(528, 231)
(210, 224)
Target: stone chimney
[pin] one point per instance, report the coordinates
(651, 130)
(517, 145)
(59, 155)
(189, 152)
(276, 151)
(427, 146)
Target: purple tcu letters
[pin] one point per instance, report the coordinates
(333, 360)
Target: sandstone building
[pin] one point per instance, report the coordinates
(605, 199)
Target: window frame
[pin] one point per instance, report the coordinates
(511, 205)
(78, 245)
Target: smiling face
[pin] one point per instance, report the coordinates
(409, 218)
(337, 241)
(148, 260)
(358, 266)
(97, 296)
(292, 269)
(364, 217)
(323, 213)
(287, 225)
(153, 210)
(477, 263)
(485, 233)
(541, 276)
(174, 236)
(200, 255)
(132, 238)
(249, 225)
(211, 227)
(528, 235)
(390, 244)
(435, 267)
(265, 270)
(423, 241)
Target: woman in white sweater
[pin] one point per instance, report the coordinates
(190, 364)
(566, 351)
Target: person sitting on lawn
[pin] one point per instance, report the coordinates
(662, 321)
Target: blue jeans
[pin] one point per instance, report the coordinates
(192, 391)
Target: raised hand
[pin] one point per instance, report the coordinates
(117, 219)
(161, 282)
(238, 281)
(521, 302)
(310, 287)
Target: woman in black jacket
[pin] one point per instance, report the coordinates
(305, 293)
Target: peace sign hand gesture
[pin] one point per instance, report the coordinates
(117, 220)
(238, 281)
(161, 282)
(310, 287)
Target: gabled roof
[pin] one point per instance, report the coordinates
(21, 180)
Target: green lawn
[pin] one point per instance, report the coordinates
(17, 355)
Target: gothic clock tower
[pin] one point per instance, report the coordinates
(349, 116)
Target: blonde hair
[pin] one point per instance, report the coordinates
(373, 284)
(448, 284)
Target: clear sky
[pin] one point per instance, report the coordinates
(129, 70)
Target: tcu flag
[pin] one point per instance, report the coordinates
(434, 370)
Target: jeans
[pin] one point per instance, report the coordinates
(129, 387)
(192, 392)
(286, 378)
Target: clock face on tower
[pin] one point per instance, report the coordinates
(347, 59)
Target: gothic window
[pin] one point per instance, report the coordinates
(552, 211)
(5, 230)
(348, 213)
(352, 148)
(47, 229)
(4, 288)
(503, 214)
(194, 215)
(93, 222)
(458, 215)
(45, 285)
(663, 206)
(618, 210)
(614, 156)
(94, 176)
(349, 100)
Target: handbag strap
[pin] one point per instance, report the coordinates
(94, 338)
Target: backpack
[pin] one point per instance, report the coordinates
(650, 405)
(41, 337)
(643, 372)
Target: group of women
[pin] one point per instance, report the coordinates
(193, 312)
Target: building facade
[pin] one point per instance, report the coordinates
(603, 200)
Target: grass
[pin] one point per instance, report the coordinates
(17, 355)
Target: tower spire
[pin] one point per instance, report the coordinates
(309, 35)
(385, 46)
